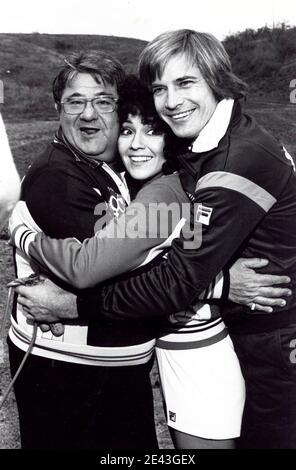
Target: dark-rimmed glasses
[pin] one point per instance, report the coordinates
(102, 104)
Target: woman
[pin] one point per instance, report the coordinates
(204, 396)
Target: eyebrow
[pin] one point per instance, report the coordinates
(98, 94)
(130, 122)
(179, 79)
(187, 77)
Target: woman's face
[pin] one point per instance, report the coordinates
(141, 148)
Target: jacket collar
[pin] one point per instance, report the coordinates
(216, 128)
(192, 159)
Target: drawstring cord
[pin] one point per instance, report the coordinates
(32, 342)
(30, 280)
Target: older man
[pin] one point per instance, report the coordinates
(89, 387)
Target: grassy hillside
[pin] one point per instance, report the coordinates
(265, 59)
(29, 62)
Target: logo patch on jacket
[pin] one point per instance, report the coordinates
(172, 416)
(116, 203)
(203, 214)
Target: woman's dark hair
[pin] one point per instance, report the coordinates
(137, 100)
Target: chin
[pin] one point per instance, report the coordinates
(88, 150)
(186, 134)
(141, 176)
(181, 133)
(94, 152)
(138, 176)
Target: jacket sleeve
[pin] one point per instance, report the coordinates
(218, 236)
(132, 240)
(127, 241)
(51, 203)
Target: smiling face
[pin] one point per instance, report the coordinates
(141, 148)
(92, 133)
(182, 98)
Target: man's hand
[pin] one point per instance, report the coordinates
(47, 303)
(57, 328)
(248, 288)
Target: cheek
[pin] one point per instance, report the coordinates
(123, 146)
(112, 123)
(160, 161)
(125, 161)
(158, 102)
(210, 102)
(68, 126)
(159, 149)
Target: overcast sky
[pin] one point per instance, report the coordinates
(142, 19)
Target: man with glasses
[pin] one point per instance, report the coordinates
(86, 386)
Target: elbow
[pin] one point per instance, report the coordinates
(84, 272)
(81, 281)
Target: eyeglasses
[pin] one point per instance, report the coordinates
(103, 104)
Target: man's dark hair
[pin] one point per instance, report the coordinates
(100, 65)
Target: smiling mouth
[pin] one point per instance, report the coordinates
(140, 158)
(182, 116)
(89, 130)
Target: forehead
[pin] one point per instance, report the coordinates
(177, 67)
(139, 120)
(85, 85)
(136, 120)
